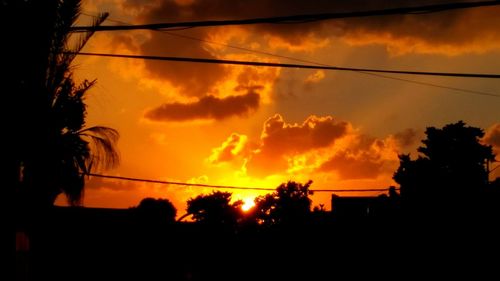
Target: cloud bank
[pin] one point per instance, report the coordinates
(318, 145)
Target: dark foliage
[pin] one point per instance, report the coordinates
(215, 209)
(156, 210)
(449, 174)
(289, 204)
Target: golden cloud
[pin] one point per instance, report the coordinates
(448, 33)
(319, 145)
(282, 144)
(492, 137)
(231, 148)
(281, 138)
(315, 77)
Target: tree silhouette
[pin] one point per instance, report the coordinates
(58, 150)
(289, 204)
(156, 210)
(214, 209)
(450, 170)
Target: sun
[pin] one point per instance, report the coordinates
(248, 204)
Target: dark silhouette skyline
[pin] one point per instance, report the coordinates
(281, 226)
(445, 202)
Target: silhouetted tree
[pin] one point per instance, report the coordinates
(156, 210)
(215, 209)
(59, 149)
(289, 204)
(451, 169)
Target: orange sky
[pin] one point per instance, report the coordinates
(250, 126)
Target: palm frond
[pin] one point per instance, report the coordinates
(72, 151)
(104, 154)
(58, 66)
(59, 60)
(82, 41)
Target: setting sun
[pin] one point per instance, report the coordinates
(147, 137)
(248, 204)
(249, 126)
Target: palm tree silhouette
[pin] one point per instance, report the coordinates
(67, 149)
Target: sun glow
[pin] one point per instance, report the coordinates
(248, 204)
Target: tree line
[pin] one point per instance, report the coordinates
(449, 177)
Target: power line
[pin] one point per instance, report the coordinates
(213, 42)
(317, 63)
(226, 186)
(176, 183)
(296, 18)
(468, 91)
(216, 43)
(287, 65)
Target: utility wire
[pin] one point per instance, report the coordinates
(216, 43)
(287, 65)
(226, 186)
(213, 42)
(296, 18)
(468, 91)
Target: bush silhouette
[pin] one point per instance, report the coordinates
(156, 210)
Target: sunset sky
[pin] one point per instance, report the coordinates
(258, 126)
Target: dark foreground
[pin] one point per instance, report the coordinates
(96, 244)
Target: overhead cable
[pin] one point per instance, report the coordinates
(294, 18)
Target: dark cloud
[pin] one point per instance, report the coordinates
(208, 107)
(193, 79)
(160, 10)
(449, 33)
(407, 137)
(199, 10)
(350, 166)
(443, 32)
(364, 157)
